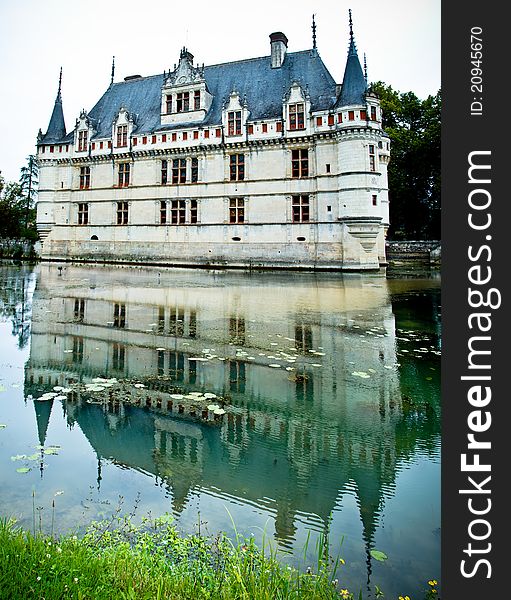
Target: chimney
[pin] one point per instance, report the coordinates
(278, 49)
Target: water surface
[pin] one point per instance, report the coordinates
(341, 438)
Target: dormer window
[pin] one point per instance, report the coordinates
(82, 141)
(122, 136)
(234, 122)
(297, 116)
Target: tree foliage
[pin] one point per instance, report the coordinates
(17, 204)
(413, 126)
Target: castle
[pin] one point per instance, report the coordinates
(258, 163)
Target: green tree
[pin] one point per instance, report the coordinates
(17, 210)
(413, 126)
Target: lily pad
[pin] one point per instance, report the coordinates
(3, 425)
(51, 450)
(378, 555)
(19, 457)
(23, 470)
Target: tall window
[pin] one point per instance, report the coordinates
(237, 167)
(234, 122)
(193, 211)
(122, 213)
(300, 163)
(183, 102)
(120, 315)
(83, 213)
(236, 210)
(168, 104)
(163, 212)
(84, 178)
(179, 170)
(177, 212)
(195, 169)
(82, 141)
(297, 116)
(124, 174)
(372, 158)
(300, 208)
(373, 113)
(122, 136)
(164, 171)
(196, 100)
(118, 356)
(79, 310)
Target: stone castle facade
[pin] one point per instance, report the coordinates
(259, 163)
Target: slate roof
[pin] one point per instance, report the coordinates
(57, 127)
(354, 85)
(254, 79)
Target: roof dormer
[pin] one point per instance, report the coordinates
(184, 97)
(234, 115)
(122, 128)
(83, 132)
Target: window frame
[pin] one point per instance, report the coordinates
(85, 178)
(300, 208)
(122, 212)
(236, 167)
(300, 163)
(124, 174)
(237, 207)
(296, 113)
(83, 213)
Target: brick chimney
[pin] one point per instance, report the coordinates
(278, 49)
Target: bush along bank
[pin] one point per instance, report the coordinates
(116, 559)
(18, 249)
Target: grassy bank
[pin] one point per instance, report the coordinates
(153, 561)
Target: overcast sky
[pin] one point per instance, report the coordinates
(400, 37)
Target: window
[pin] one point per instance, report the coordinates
(303, 337)
(174, 137)
(122, 213)
(234, 122)
(372, 158)
(363, 115)
(185, 136)
(164, 138)
(300, 209)
(77, 349)
(82, 141)
(83, 213)
(351, 115)
(375, 200)
(237, 167)
(179, 170)
(135, 141)
(319, 121)
(339, 118)
(183, 102)
(144, 139)
(330, 119)
(327, 167)
(193, 211)
(122, 136)
(164, 171)
(79, 310)
(250, 129)
(195, 135)
(300, 163)
(195, 169)
(118, 356)
(101, 145)
(373, 113)
(124, 174)
(218, 132)
(120, 315)
(196, 100)
(265, 128)
(296, 116)
(177, 212)
(279, 126)
(93, 146)
(52, 149)
(206, 133)
(163, 212)
(84, 178)
(236, 210)
(168, 104)
(153, 139)
(237, 330)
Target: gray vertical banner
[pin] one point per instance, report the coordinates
(475, 244)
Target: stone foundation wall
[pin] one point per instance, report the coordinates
(410, 250)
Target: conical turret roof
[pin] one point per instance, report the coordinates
(57, 127)
(354, 85)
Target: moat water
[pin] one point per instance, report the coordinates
(330, 383)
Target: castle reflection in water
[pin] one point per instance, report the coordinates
(293, 441)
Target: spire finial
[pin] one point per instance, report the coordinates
(113, 70)
(365, 68)
(60, 85)
(351, 26)
(314, 32)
